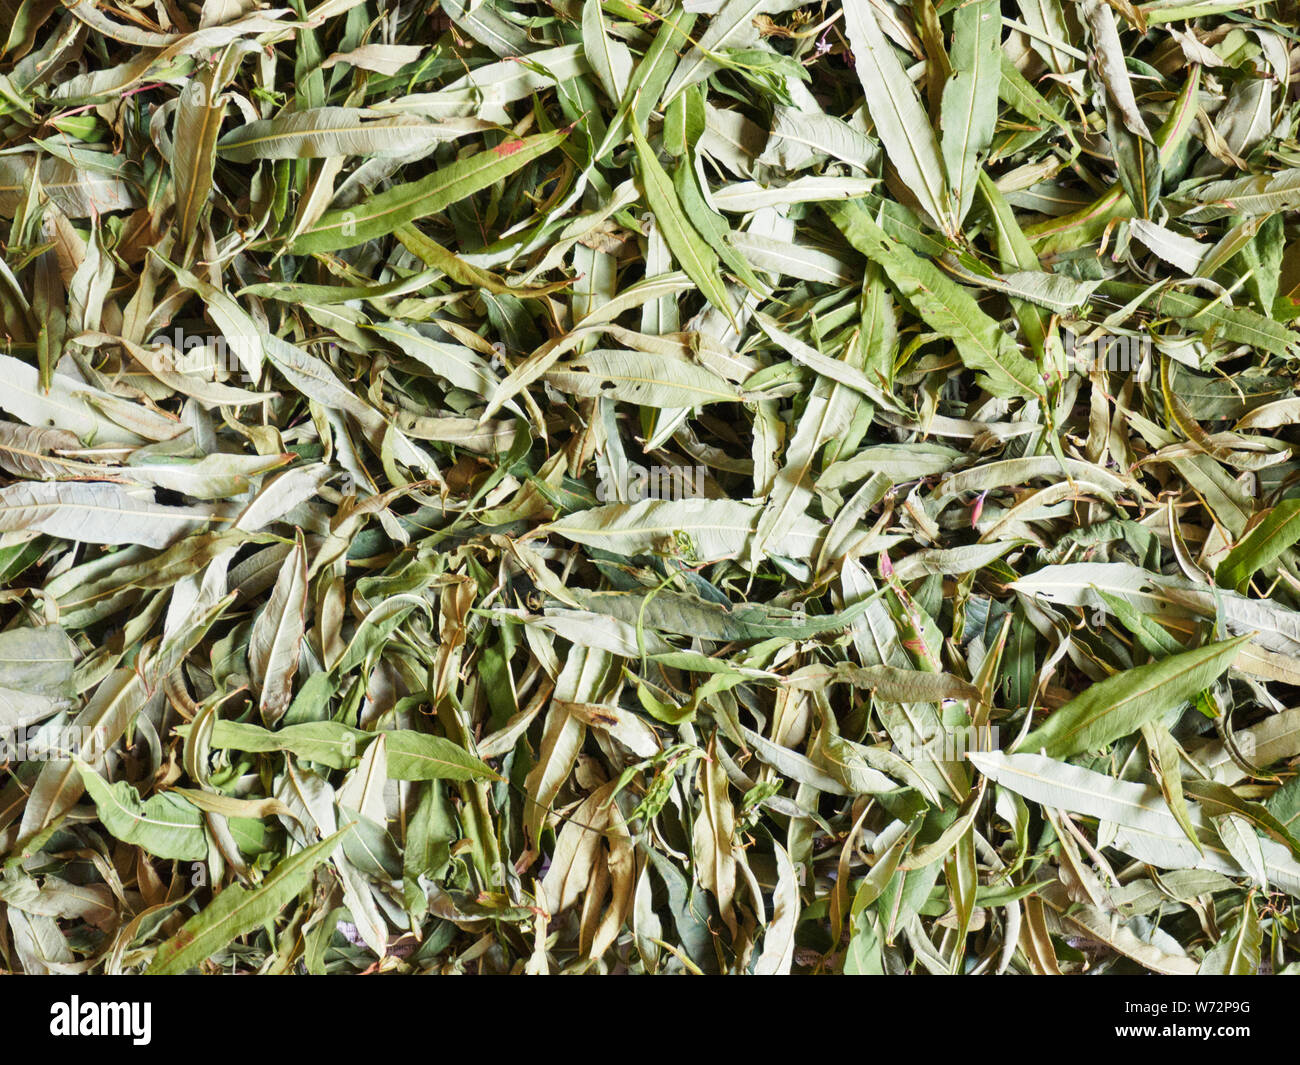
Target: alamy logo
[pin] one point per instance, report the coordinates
(211, 357)
(37, 743)
(949, 744)
(194, 353)
(77, 1018)
(1106, 351)
(636, 483)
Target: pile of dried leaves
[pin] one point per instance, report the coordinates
(746, 486)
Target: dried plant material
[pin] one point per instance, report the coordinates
(742, 486)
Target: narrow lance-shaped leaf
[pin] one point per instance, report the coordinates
(418, 756)
(945, 306)
(901, 121)
(1114, 707)
(608, 56)
(97, 513)
(277, 633)
(1238, 952)
(688, 247)
(731, 24)
(970, 97)
(164, 824)
(1114, 71)
(1279, 531)
(382, 214)
(237, 910)
(325, 132)
(198, 123)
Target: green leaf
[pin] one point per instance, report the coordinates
(418, 756)
(164, 824)
(1237, 953)
(328, 742)
(385, 213)
(970, 97)
(694, 256)
(901, 121)
(1264, 544)
(237, 910)
(325, 132)
(1122, 704)
(945, 306)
